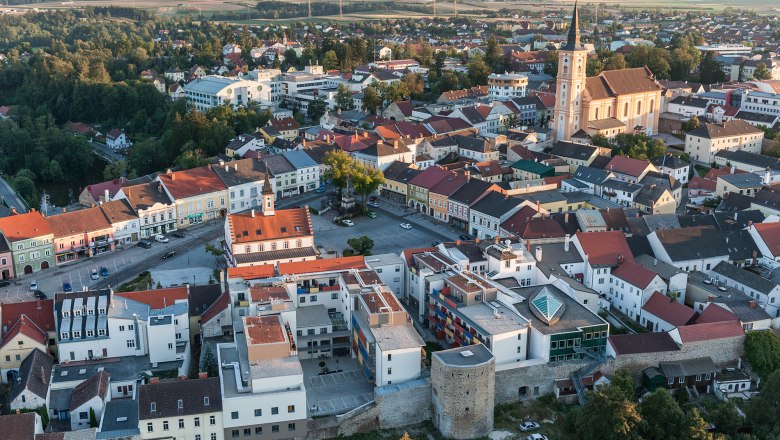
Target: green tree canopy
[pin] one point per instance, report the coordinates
(361, 245)
(662, 417)
(762, 349)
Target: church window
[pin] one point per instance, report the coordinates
(597, 113)
(565, 69)
(625, 110)
(652, 104)
(639, 108)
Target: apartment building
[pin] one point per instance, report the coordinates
(187, 409)
(31, 241)
(199, 195)
(704, 142)
(213, 90)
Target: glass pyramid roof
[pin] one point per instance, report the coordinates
(547, 304)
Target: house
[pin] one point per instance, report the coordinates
(187, 409)
(155, 209)
(284, 173)
(576, 155)
(707, 140)
(199, 195)
(24, 426)
(718, 302)
(200, 299)
(89, 397)
(701, 247)
(747, 184)
(243, 144)
(420, 185)
(461, 201)
(662, 313)
(31, 388)
(696, 373)
(116, 139)
(397, 175)
(767, 239)
(439, 195)
(269, 236)
(6, 260)
(507, 85)
(530, 170)
(31, 241)
(308, 171)
(633, 287)
(688, 106)
(120, 420)
(675, 278)
(101, 192)
(26, 326)
(244, 180)
(629, 169)
(674, 166)
(758, 288)
(81, 234)
(124, 220)
(767, 200)
(381, 154)
(487, 214)
(287, 126)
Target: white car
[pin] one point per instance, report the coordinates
(94, 275)
(33, 285)
(529, 426)
(536, 436)
(348, 223)
(160, 238)
(406, 226)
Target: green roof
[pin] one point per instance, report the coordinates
(532, 167)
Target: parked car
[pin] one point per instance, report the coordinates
(103, 271)
(348, 223)
(406, 226)
(373, 204)
(5, 283)
(464, 237)
(146, 244)
(178, 234)
(371, 214)
(372, 198)
(40, 295)
(320, 190)
(66, 287)
(536, 436)
(529, 426)
(94, 274)
(168, 254)
(33, 285)
(161, 238)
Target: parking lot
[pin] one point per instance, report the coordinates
(336, 393)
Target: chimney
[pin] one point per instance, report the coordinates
(732, 170)
(168, 171)
(752, 304)
(496, 239)
(105, 195)
(44, 379)
(538, 253)
(253, 212)
(710, 298)
(154, 380)
(222, 162)
(227, 168)
(457, 242)
(173, 176)
(566, 242)
(65, 209)
(767, 176)
(203, 375)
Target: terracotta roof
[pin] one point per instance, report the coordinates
(254, 226)
(710, 330)
(218, 306)
(145, 195)
(408, 254)
(322, 265)
(702, 183)
(643, 343)
(668, 309)
(24, 226)
(263, 330)
(770, 234)
(715, 313)
(193, 182)
(621, 82)
(604, 248)
(264, 294)
(736, 127)
(158, 298)
(450, 184)
(27, 327)
(634, 273)
(251, 272)
(627, 165)
(39, 312)
(78, 222)
(96, 385)
(118, 211)
(18, 426)
(429, 177)
(284, 124)
(113, 133)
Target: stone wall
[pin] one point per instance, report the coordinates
(406, 404)
(722, 351)
(533, 381)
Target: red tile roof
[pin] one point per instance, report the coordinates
(263, 330)
(27, 327)
(24, 226)
(714, 173)
(99, 189)
(643, 343)
(710, 330)
(715, 313)
(702, 183)
(193, 182)
(40, 312)
(429, 177)
(408, 254)
(322, 265)
(252, 272)
(604, 248)
(450, 184)
(285, 223)
(668, 309)
(627, 165)
(78, 222)
(18, 426)
(770, 233)
(158, 298)
(264, 294)
(634, 273)
(218, 306)
(518, 222)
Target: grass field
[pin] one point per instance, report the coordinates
(444, 8)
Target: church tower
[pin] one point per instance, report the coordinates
(572, 59)
(268, 196)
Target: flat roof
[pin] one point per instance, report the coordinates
(494, 320)
(277, 367)
(470, 356)
(263, 330)
(312, 316)
(397, 337)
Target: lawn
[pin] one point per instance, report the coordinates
(551, 415)
(141, 282)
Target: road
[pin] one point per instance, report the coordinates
(106, 153)
(9, 196)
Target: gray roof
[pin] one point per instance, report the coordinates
(470, 356)
(278, 164)
(621, 185)
(496, 204)
(30, 378)
(575, 316)
(242, 171)
(746, 157)
(670, 161)
(664, 270)
(733, 299)
(705, 242)
(469, 192)
(690, 101)
(746, 277)
(191, 392)
(744, 180)
(120, 419)
(573, 150)
(312, 316)
(299, 159)
(688, 367)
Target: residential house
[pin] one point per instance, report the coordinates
(89, 397)
(6, 260)
(28, 322)
(397, 175)
(31, 241)
(101, 192)
(81, 234)
(698, 373)
(767, 239)
(688, 106)
(747, 184)
(244, 180)
(31, 387)
(767, 200)
(438, 195)
(155, 209)
(287, 126)
(632, 286)
(243, 144)
(531, 170)
(674, 166)
(662, 313)
(460, 202)
(308, 171)
(199, 195)
(124, 220)
(116, 139)
(200, 299)
(24, 426)
(188, 409)
(602, 252)
(381, 154)
(420, 185)
(577, 155)
(758, 288)
(476, 148)
(629, 169)
(487, 215)
(284, 173)
(701, 247)
(703, 143)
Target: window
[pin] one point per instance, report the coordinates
(291, 426)
(212, 420)
(149, 427)
(234, 433)
(165, 425)
(247, 431)
(274, 428)
(290, 408)
(234, 415)
(213, 436)
(389, 371)
(258, 412)
(258, 430)
(181, 423)
(206, 401)
(131, 343)
(153, 407)
(83, 415)
(682, 379)
(197, 422)
(275, 410)
(180, 404)
(389, 357)
(197, 437)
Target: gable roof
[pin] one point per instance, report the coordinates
(166, 396)
(634, 273)
(604, 248)
(34, 374)
(192, 182)
(254, 226)
(429, 177)
(222, 303)
(18, 426)
(200, 298)
(668, 309)
(322, 265)
(95, 386)
(737, 127)
(41, 312)
(25, 326)
(98, 190)
(715, 313)
(627, 165)
(496, 204)
(471, 191)
(611, 83)
(643, 343)
(117, 211)
(708, 331)
(252, 272)
(573, 150)
(24, 226)
(157, 299)
(78, 222)
(146, 195)
(770, 234)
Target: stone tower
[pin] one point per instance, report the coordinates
(572, 59)
(463, 381)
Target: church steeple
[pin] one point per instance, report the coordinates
(268, 196)
(573, 41)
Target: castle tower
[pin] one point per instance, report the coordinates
(268, 196)
(572, 59)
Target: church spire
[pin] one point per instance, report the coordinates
(573, 41)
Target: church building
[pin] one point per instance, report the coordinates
(615, 101)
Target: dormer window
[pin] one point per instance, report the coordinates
(180, 404)
(90, 333)
(101, 332)
(91, 312)
(206, 401)
(65, 335)
(102, 311)
(76, 334)
(153, 407)
(66, 313)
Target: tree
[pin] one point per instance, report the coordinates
(330, 60)
(366, 181)
(209, 363)
(710, 70)
(24, 184)
(93, 423)
(615, 62)
(593, 67)
(624, 384)
(361, 245)
(607, 415)
(213, 250)
(691, 124)
(726, 417)
(371, 99)
(115, 169)
(551, 63)
(697, 427)
(494, 55)
(317, 108)
(192, 159)
(340, 167)
(478, 71)
(662, 417)
(344, 98)
(761, 72)
(762, 349)
(763, 409)
(447, 81)
(413, 82)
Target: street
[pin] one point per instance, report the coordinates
(9, 196)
